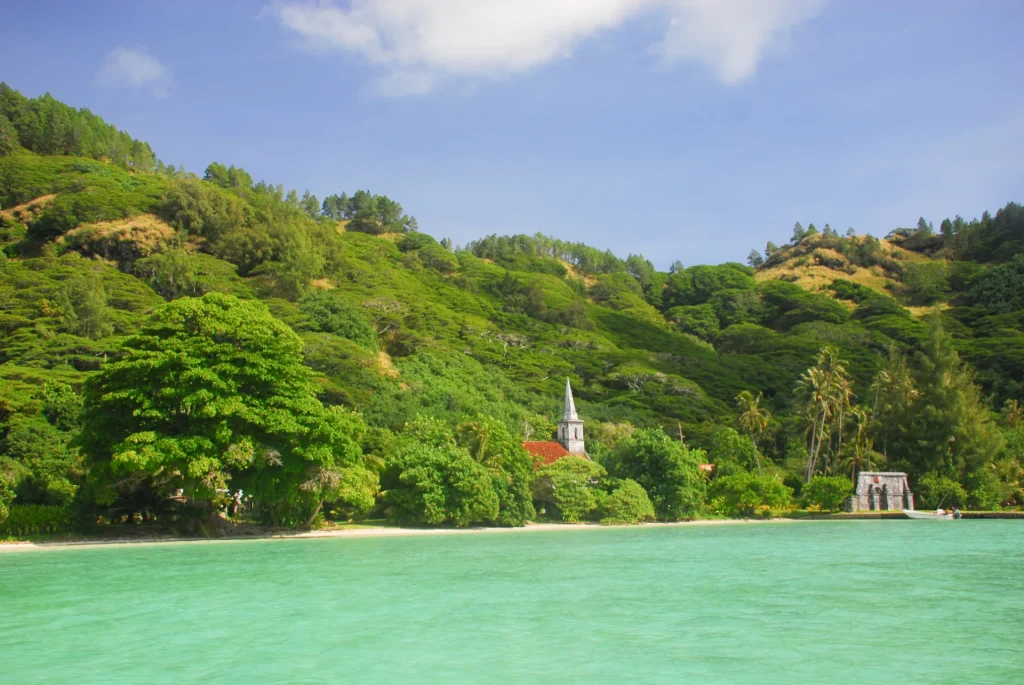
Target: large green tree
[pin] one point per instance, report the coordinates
(946, 429)
(668, 470)
(430, 480)
(493, 445)
(212, 394)
(573, 485)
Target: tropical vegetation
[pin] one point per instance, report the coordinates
(199, 350)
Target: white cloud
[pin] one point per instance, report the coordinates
(136, 69)
(398, 83)
(419, 42)
(730, 36)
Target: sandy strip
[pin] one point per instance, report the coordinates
(367, 532)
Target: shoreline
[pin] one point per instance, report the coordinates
(363, 532)
(369, 531)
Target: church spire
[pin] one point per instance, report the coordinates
(570, 430)
(570, 407)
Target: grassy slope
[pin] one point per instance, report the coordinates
(455, 348)
(457, 317)
(815, 267)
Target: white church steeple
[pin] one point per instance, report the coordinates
(570, 430)
(570, 407)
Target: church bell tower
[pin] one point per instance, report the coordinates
(570, 430)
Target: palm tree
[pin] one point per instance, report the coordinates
(753, 419)
(825, 388)
(894, 392)
(813, 387)
(843, 399)
(861, 443)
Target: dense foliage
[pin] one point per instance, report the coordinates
(213, 391)
(572, 486)
(175, 346)
(627, 503)
(827, 492)
(747, 494)
(49, 127)
(666, 469)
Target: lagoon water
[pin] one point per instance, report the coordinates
(816, 602)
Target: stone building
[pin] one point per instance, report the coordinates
(880, 491)
(570, 436)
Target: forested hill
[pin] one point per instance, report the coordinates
(97, 234)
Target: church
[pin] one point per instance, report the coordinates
(570, 436)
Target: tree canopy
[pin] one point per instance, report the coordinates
(212, 394)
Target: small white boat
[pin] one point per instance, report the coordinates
(927, 515)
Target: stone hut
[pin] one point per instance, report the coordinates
(570, 436)
(880, 491)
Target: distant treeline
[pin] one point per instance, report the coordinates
(47, 126)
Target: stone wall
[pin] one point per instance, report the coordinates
(881, 491)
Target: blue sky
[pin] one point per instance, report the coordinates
(679, 129)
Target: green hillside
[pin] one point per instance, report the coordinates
(97, 235)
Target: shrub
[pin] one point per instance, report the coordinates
(572, 485)
(439, 259)
(414, 241)
(548, 266)
(34, 519)
(6, 495)
(439, 485)
(827, 492)
(668, 471)
(745, 493)
(697, 284)
(171, 273)
(925, 284)
(934, 491)
(332, 314)
(1001, 288)
(204, 210)
(628, 503)
(787, 304)
(699, 320)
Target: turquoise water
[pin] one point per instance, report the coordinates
(823, 602)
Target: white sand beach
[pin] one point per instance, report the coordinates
(361, 532)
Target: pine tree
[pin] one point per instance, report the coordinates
(8, 136)
(946, 430)
(58, 128)
(946, 229)
(89, 299)
(309, 204)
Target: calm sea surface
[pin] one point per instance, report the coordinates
(914, 602)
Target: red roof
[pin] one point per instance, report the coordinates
(546, 452)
